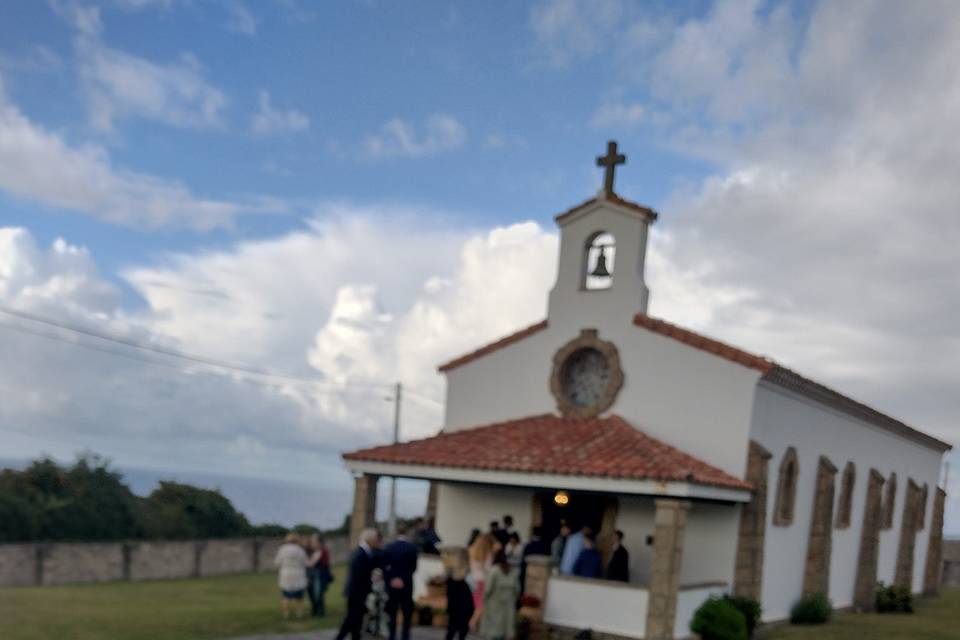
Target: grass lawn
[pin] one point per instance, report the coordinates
(935, 619)
(217, 607)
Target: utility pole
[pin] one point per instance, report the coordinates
(392, 522)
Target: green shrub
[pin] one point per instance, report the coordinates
(814, 609)
(719, 619)
(894, 599)
(750, 609)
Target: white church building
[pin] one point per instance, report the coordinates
(727, 472)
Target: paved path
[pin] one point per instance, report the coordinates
(417, 633)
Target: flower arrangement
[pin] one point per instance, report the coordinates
(530, 601)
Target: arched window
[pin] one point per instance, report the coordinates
(922, 508)
(598, 261)
(889, 501)
(786, 489)
(845, 506)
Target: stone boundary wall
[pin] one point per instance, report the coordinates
(51, 563)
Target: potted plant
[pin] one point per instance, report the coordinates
(437, 586)
(531, 608)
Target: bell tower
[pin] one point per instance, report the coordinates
(603, 245)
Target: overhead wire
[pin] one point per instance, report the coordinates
(183, 355)
(207, 361)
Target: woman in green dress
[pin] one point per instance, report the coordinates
(500, 594)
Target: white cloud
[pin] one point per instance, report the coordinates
(85, 19)
(826, 234)
(39, 165)
(568, 29)
(269, 120)
(62, 277)
(39, 59)
(441, 132)
(618, 114)
(336, 316)
(137, 5)
(119, 85)
(240, 19)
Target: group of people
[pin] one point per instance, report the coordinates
(575, 553)
(483, 596)
(304, 568)
(380, 571)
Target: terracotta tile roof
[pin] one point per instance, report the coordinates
(615, 199)
(547, 444)
(793, 381)
(790, 380)
(493, 346)
(704, 343)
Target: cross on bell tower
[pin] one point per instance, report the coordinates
(610, 162)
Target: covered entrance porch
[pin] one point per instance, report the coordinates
(680, 517)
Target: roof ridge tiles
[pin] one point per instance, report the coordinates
(596, 447)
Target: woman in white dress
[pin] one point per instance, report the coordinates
(292, 561)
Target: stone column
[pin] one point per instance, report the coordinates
(538, 577)
(431, 511)
(931, 574)
(866, 581)
(536, 511)
(748, 577)
(908, 537)
(364, 506)
(816, 574)
(669, 525)
(608, 525)
(537, 581)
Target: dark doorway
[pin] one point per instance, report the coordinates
(581, 509)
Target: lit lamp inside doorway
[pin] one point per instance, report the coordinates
(561, 498)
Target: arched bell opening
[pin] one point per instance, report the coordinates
(599, 255)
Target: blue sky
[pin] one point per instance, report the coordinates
(348, 69)
(356, 191)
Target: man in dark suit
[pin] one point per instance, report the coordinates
(399, 565)
(363, 561)
(619, 566)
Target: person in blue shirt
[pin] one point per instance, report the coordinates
(572, 549)
(589, 563)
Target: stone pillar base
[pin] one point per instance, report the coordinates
(364, 506)
(669, 526)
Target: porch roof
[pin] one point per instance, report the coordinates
(607, 449)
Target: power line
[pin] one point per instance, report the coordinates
(183, 355)
(422, 397)
(161, 363)
(190, 357)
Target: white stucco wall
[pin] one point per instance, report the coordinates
(627, 293)
(427, 567)
(688, 601)
(635, 519)
(689, 398)
(464, 507)
(783, 419)
(686, 397)
(710, 540)
(608, 607)
(710, 543)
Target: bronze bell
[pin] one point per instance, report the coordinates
(600, 270)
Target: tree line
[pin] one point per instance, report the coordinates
(89, 501)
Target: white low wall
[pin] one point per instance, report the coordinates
(427, 567)
(688, 599)
(608, 607)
